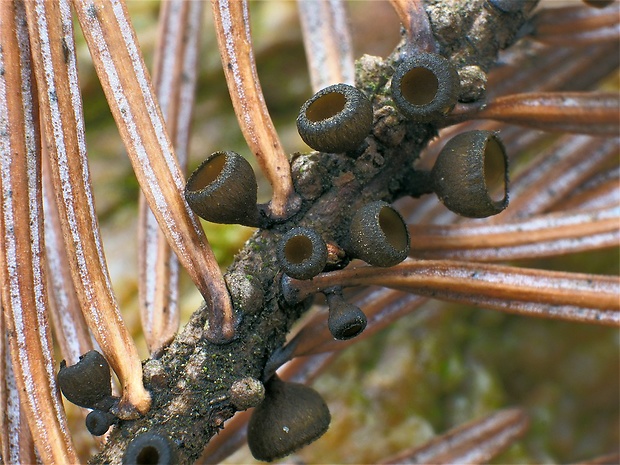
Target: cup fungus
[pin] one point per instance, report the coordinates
(345, 320)
(302, 253)
(335, 119)
(149, 448)
(425, 87)
(510, 6)
(223, 189)
(98, 422)
(291, 416)
(88, 382)
(470, 175)
(378, 235)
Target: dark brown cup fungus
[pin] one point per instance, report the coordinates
(345, 320)
(335, 119)
(378, 235)
(291, 416)
(598, 3)
(223, 189)
(150, 448)
(302, 253)
(88, 382)
(98, 422)
(470, 175)
(425, 87)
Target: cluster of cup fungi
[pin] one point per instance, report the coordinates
(469, 177)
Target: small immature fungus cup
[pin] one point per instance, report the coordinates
(88, 382)
(223, 189)
(378, 235)
(302, 253)
(98, 422)
(150, 448)
(425, 87)
(470, 175)
(291, 416)
(335, 119)
(345, 320)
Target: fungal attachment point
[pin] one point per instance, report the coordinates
(470, 175)
(425, 87)
(335, 119)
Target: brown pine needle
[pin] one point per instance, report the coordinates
(539, 293)
(70, 328)
(16, 443)
(538, 236)
(594, 113)
(327, 42)
(55, 67)
(120, 67)
(574, 23)
(232, 25)
(22, 259)
(416, 23)
(473, 443)
(174, 79)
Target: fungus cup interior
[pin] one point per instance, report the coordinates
(419, 86)
(298, 249)
(393, 227)
(495, 169)
(208, 172)
(148, 455)
(326, 106)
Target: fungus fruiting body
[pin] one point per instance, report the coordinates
(88, 382)
(223, 189)
(345, 320)
(425, 87)
(302, 253)
(470, 175)
(378, 235)
(150, 448)
(336, 119)
(291, 416)
(98, 422)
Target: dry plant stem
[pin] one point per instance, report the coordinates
(16, 444)
(232, 26)
(327, 42)
(564, 25)
(55, 69)
(174, 79)
(559, 295)
(594, 113)
(475, 442)
(120, 67)
(557, 172)
(417, 26)
(601, 191)
(70, 328)
(22, 265)
(609, 459)
(538, 236)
